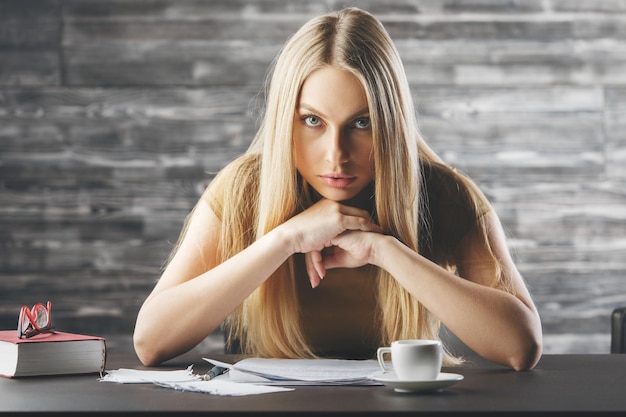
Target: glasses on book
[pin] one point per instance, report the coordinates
(34, 321)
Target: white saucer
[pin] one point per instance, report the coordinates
(391, 380)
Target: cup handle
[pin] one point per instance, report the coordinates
(380, 353)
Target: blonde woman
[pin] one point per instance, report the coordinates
(339, 230)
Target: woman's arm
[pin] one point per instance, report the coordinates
(496, 324)
(195, 293)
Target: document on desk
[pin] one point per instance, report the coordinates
(186, 380)
(291, 372)
(136, 376)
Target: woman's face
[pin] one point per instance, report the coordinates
(333, 134)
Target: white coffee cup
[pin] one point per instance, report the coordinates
(413, 359)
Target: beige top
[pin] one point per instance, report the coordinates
(339, 316)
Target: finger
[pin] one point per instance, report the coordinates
(314, 267)
(361, 223)
(359, 219)
(318, 264)
(338, 258)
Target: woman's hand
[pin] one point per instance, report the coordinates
(316, 227)
(351, 249)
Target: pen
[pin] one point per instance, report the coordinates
(213, 372)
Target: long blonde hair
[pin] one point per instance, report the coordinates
(267, 190)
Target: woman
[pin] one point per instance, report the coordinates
(340, 230)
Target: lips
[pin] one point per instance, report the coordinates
(337, 180)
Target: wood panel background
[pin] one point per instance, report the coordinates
(114, 115)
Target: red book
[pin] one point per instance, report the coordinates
(50, 354)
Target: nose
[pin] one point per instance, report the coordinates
(336, 146)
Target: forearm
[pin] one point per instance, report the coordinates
(175, 319)
(494, 323)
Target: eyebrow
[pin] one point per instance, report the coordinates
(354, 115)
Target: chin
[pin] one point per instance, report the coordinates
(339, 197)
(348, 196)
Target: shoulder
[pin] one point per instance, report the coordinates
(240, 168)
(236, 180)
(447, 184)
(451, 205)
(444, 185)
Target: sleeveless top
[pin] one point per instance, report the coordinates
(339, 316)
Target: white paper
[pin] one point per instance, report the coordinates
(186, 380)
(134, 376)
(302, 371)
(224, 388)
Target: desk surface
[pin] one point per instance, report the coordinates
(585, 382)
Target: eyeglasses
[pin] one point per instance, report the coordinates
(34, 321)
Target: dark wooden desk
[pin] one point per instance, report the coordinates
(565, 383)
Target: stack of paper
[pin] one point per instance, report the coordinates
(256, 375)
(288, 372)
(186, 380)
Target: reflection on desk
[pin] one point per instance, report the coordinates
(567, 383)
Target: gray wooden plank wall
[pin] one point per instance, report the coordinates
(114, 115)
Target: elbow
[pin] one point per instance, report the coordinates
(148, 341)
(146, 350)
(528, 355)
(153, 348)
(529, 345)
(146, 355)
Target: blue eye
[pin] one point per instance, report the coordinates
(362, 123)
(312, 121)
